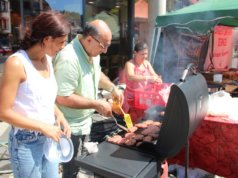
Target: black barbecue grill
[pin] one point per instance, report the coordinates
(187, 106)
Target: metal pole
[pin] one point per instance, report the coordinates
(131, 12)
(186, 159)
(83, 12)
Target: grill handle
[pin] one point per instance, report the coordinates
(190, 67)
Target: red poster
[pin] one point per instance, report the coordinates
(222, 50)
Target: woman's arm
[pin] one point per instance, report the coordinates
(62, 122)
(157, 78)
(130, 75)
(13, 75)
(152, 71)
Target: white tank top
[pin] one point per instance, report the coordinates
(36, 95)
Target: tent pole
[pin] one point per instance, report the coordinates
(186, 159)
(154, 44)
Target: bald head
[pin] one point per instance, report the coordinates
(97, 28)
(97, 37)
(101, 26)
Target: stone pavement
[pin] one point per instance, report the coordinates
(4, 129)
(4, 164)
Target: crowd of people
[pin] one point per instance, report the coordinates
(49, 90)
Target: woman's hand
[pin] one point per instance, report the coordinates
(63, 124)
(158, 79)
(51, 131)
(155, 79)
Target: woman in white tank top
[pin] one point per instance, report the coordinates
(27, 97)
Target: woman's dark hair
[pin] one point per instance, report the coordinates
(140, 46)
(48, 23)
(90, 30)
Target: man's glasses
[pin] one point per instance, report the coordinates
(102, 45)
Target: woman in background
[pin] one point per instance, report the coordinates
(27, 97)
(138, 74)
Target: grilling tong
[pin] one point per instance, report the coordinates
(119, 125)
(127, 117)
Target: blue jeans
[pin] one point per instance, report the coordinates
(27, 157)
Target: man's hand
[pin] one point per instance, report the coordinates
(103, 107)
(117, 95)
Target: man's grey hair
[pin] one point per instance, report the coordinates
(90, 30)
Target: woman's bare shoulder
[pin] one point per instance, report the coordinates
(13, 63)
(130, 62)
(147, 62)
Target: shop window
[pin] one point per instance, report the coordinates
(113, 12)
(106, 10)
(23, 12)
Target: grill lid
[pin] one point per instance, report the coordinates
(187, 106)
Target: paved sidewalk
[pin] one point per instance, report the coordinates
(4, 164)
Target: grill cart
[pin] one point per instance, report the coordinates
(187, 106)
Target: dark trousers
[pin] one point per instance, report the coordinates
(70, 169)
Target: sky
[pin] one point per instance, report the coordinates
(69, 5)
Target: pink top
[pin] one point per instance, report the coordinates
(132, 85)
(137, 71)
